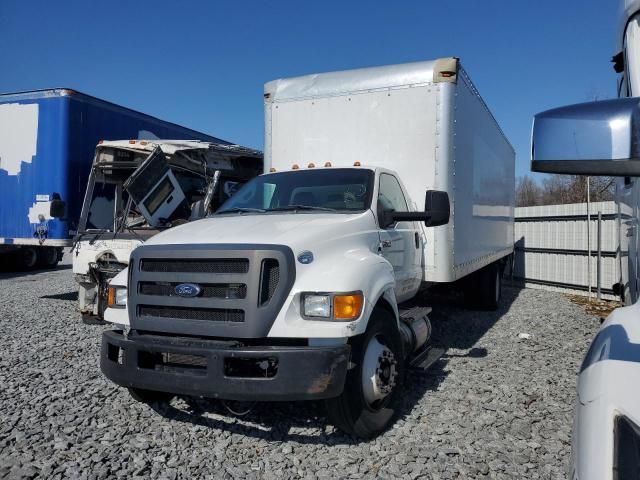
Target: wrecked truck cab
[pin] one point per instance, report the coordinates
(138, 188)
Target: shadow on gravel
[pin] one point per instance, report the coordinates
(6, 273)
(454, 327)
(70, 296)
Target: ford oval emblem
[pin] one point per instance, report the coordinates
(187, 290)
(305, 257)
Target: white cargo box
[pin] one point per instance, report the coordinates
(424, 120)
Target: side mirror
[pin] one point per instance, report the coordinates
(436, 204)
(436, 212)
(596, 138)
(57, 208)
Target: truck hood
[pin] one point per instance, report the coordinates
(297, 230)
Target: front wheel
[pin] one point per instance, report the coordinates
(370, 397)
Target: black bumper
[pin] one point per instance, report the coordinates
(215, 369)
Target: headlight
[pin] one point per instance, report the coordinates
(316, 305)
(116, 297)
(342, 307)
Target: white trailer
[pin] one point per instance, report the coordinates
(299, 287)
(424, 120)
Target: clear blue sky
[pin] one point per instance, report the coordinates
(203, 63)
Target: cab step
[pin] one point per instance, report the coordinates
(412, 312)
(425, 357)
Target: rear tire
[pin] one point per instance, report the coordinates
(369, 401)
(48, 257)
(149, 396)
(28, 258)
(483, 289)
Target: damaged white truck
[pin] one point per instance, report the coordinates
(138, 188)
(301, 286)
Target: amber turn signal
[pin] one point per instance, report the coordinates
(347, 307)
(111, 296)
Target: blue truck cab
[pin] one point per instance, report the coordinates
(47, 143)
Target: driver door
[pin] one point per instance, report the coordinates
(400, 243)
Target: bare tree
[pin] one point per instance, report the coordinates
(528, 192)
(561, 189)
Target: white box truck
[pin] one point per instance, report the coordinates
(380, 180)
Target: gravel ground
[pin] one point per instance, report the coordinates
(495, 405)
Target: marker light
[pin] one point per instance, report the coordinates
(295, 166)
(347, 307)
(327, 164)
(311, 165)
(272, 169)
(132, 142)
(143, 143)
(356, 164)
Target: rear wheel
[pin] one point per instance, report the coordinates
(483, 288)
(47, 257)
(28, 257)
(149, 396)
(370, 397)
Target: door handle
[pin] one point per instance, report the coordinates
(417, 238)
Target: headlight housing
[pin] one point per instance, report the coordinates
(341, 307)
(117, 297)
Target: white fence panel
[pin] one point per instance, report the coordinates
(552, 247)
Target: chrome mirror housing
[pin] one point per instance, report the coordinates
(596, 138)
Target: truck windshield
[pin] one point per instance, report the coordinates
(327, 189)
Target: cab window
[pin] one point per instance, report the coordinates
(390, 196)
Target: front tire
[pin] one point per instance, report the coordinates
(370, 398)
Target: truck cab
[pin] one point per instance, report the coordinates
(600, 138)
(305, 261)
(138, 188)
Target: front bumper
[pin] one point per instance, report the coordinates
(223, 369)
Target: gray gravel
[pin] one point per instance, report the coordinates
(494, 405)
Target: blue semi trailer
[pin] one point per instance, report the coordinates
(47, 143)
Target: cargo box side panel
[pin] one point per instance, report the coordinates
(484, 184)
(33, 145)
(392, 128)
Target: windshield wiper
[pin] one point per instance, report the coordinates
(301, 207)
(241, 210)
